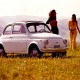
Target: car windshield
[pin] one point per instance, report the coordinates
(38, 28)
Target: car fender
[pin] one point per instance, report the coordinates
(38, 43)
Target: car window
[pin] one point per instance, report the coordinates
(31, 29)
(8, 30)
(37, 27)
(42, 28)
(18, 29)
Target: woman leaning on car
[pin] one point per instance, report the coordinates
(73, 27)
(53, 22)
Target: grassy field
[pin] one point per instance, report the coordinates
(46, 68)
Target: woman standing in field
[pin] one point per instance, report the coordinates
(53, 22)
(73, 27)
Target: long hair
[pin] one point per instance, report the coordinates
(74, 17)
(51, 16)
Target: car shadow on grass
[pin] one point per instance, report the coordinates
(17, 56)
(26, 56)
(44, 56)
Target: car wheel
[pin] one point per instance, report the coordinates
(63, 54)
(34, 52)
(2, 52)
(54, 54)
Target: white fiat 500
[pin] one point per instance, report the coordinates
(31, 37)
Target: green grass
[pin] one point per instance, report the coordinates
(46, 68)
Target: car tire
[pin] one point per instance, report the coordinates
(63, 54)
(34, 52)
(54, 54)
(2, 52)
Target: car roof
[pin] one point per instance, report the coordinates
(26, 22)
(32, 21)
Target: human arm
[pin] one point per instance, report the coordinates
(78, 28)
(69, 25)
(48, 21)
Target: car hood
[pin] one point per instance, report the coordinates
(44, 35)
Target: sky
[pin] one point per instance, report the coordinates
(41, 8)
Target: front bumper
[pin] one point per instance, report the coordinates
(54, 49)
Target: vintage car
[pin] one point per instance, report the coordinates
(31, 37)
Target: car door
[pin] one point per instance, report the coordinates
(19, 39)
(6, 38)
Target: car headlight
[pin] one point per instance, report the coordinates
(65, 41)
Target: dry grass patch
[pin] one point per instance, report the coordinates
(41, 69)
